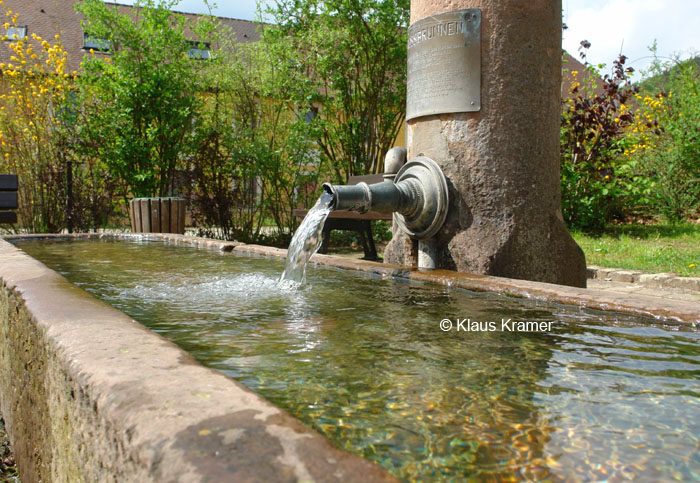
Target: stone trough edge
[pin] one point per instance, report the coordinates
(638, 305)
(88, 394)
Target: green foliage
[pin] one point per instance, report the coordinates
(657, 77)
(92, 201)
(253, 154)
(233, 133)
(381, 232)
(144, 96)
(349, 63)
(596, 181)
(624, 155)
(674, 163)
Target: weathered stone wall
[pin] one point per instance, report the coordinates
(61, 437)
(90, 395)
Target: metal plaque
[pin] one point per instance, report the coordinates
(444, 64)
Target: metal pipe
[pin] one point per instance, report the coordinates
(385, 197)
(418, 197)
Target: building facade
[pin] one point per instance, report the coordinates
(47, 18)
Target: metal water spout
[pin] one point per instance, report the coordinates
(417, 195)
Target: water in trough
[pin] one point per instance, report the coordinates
(369, 363)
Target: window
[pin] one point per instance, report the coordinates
(199, 50)
(96, 43)
(16, 32)
(311, 114)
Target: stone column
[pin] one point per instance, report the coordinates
(502, 162)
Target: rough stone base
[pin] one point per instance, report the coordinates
(547, 255)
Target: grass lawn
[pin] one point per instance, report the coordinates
(653, 248)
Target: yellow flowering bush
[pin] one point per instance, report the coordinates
(643, 133)
(597, 185)
(33, 89)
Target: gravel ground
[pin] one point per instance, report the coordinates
(8, 470)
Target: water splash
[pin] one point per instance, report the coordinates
(306, 240)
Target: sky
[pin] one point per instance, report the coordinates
(612, 26)
(630, 27)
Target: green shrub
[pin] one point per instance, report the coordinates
(596, 182)
(254, 161)
(674, 162)
(144, 96)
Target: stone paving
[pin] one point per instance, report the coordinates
(669, 281)
(658, 285)
(638, 288)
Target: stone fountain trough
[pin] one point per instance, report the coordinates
(89, 394)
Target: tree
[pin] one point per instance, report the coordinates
(350, 61)
(253, 154)
(145, 93)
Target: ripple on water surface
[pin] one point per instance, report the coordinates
(363, 360)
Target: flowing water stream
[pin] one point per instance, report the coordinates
(306, 240)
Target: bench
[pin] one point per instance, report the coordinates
(351, 221)
(8, 198)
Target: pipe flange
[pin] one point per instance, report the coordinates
(428, 220)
